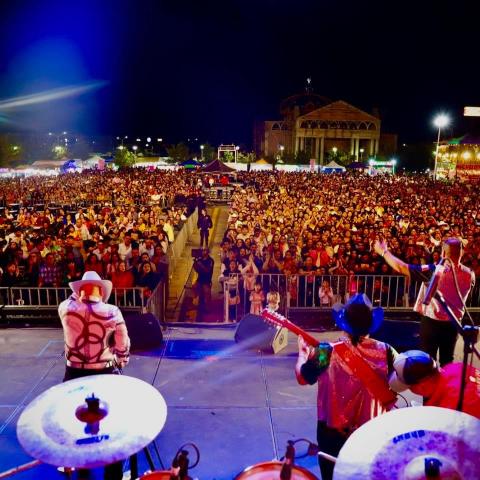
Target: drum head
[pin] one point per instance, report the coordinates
(159, 475)
(270, 470)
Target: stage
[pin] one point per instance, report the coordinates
(239, 407)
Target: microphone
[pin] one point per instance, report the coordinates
(433, 285)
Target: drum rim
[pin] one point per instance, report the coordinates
(276, 462)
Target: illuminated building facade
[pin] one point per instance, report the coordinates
(323, 130)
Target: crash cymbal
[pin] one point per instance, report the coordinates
(59, 428)
(408, 443)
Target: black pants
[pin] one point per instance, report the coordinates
(438, 335)
(115, 470)
(204, 237)
(329, 441)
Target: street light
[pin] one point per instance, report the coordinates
(361, 153)
(237, 148)
(440, 121)
(201, 150)
(335, 150)
(135, 148)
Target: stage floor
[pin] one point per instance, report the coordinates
(239, 407)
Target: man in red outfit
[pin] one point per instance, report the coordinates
(440, 386)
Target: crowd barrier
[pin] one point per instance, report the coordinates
(301, 291)
(40, 302)
(176, 248)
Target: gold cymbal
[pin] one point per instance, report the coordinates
(403, 443)
(59, 428)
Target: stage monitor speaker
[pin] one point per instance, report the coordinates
(144, 331)
(402, 335)
(254, 333)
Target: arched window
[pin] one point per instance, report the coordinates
(284, 126)
(372, 126)
(304, 125)
(352, 125)
(323, 125)
(343, 125)
(275, 126)
(362, 126)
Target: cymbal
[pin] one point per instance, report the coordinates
(58, 428)
(402, 443)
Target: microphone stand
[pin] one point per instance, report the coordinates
(469, 334)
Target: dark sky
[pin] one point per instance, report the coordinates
(208, 69)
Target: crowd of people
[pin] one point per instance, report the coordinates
(118, 224)
(325, 225)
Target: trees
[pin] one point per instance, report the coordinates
(209, 153)
(124, 157)
(179, 152)
(9, 152)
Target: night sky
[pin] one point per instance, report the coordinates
(209, 69)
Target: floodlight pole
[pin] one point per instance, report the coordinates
(436, 155)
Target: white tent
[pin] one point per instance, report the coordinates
(48, 164)
(333, 166)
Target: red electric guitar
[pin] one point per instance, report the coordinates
(278, 320)
(375, 384)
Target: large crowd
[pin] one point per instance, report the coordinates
(325, 225)
(119, 224)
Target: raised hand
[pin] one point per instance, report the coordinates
(380, 246)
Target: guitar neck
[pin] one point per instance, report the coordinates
(311, 340)
(281, 321)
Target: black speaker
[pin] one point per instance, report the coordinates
(144, 331)
(254, 333)
(402, 335)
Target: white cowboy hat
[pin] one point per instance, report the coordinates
(92, 278)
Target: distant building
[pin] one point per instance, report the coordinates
(324, 130)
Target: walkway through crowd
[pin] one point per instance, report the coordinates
(183, 298)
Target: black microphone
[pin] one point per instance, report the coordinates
(433, 285)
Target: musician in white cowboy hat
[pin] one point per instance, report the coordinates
(96, 337)
(352, 376)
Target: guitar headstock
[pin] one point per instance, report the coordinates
(273, 318)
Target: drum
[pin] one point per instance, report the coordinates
(158, 475)
(269, 470)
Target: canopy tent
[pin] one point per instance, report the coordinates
(333, 167)
(48, 164)
(190, 164)
(467, 139)
(261, 161)
(217, 166)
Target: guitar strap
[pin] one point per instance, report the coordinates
(376, 386)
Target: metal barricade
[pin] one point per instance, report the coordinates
(302, 291)
(156, 302)
(238, 289)
(52, 297)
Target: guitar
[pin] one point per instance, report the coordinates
(278, 320)
(377, 386)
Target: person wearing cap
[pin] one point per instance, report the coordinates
(439, 386)
(96, 339)
(352, 376)
(437, 332)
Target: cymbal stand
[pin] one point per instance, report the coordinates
(134, 462)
